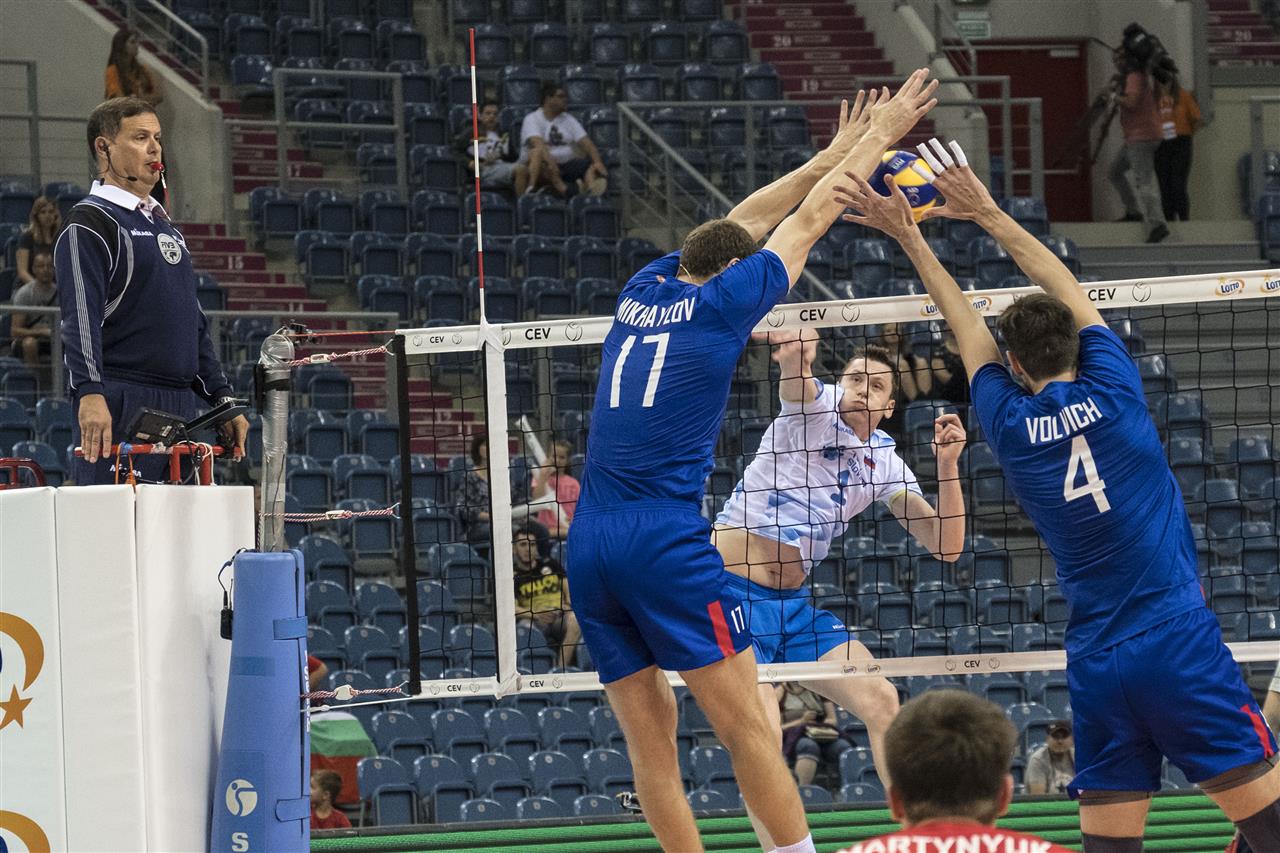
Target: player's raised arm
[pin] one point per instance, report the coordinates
(938, 529)
(892, 215)
(761, 211)
(794, 350)
(967, 198)
(889, 120)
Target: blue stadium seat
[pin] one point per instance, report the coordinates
(595, 217)
(595, 805)
(591, 259)
(696, 81)
(398, 735)
(636, 252)
(584, 85)
(369, 647)
(856, 765)
(549, 44)
(43, 455)
(608, 44)
(357, 475)
(548, 297)
(432, 661)
(707, 800)
(380, 605)
(383, 211)
(385, 785)
(862, 792)
(1049, 689)
(1030, 213)
(509, 731)
(1002, 606)
(330, 211)
(457, 734)
(991, 263)
(713, 769)
(499, 778)
(870, 263)
(725, 43)
(520, 86)
(494, 46)
(666, 43)
(1032, 721)
(53, 421)
(1065, 249)
(439, 213)
(726, 128)
(1254, 462)
(557, 776)
(322, 644)
(435, 167)
(564, 730)
(760, 82)
(399, 41)
(326, 560)
(535, 808)
(15, 204)
(787, 127)
(608, 772)
(639, 82)
(360, 681)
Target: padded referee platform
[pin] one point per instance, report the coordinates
(1184, 822)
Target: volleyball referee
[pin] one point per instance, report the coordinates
(133, 333)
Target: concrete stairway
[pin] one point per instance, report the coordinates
(1116, 250)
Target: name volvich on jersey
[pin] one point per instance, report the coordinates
(1070, 419)
(635, 313)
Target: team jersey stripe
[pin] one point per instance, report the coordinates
(723, 640)
(1264, 733)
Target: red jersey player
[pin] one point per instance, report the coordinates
(948, 753)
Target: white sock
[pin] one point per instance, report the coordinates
(804, 845)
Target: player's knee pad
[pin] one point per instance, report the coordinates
(1111, 798)
(1107, 844)
(1238, 776)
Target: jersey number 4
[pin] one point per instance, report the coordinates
(1082, 457)
(655, 369)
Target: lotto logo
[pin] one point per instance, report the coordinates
(1229, 287)
(928, 310)
(1271, 285)
(241, 798)
(982, 303)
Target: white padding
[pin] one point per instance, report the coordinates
(31, 777)
(102, 687)
(184, 534)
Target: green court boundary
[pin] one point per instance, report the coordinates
(1182, 822)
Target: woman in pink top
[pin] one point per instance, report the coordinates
(1133, 173)
(555, 479)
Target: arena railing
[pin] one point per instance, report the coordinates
(157, 21)
(1258, 146)
(38, 143)
(281, 124)
(219, 329)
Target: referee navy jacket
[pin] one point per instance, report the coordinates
(128, 296)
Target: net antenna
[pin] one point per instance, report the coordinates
(496, 419)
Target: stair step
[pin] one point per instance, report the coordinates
(1230, 6)
(203, 229)
(812, 38)
(760, 15)
(1233, 18)
(834, 68)
(1160, 266)
(282, 305)
(229, 106)
(263, 153)
(1254, 31)
(306, 169)
(214, 261)
(216, 244)
(245, 185)
(840, 25)
(1208, 231)
(1245, 50)
(780, 56)
(836, 84)
(253, 137)
(278, 291)
(1226, 255)
(234, 278)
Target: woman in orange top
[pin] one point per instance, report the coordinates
(125, 75)
(1180, 117)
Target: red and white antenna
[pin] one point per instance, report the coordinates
(475, 158)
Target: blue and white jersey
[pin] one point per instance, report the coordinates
(812, 475)
(1087, 466)
(664, 378)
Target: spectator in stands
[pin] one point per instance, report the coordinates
(125, 75)
(558, 150)
(560, 489)
(325, 787)
(1133, 171)
(39, 235)
(499, 154)
(1051, 767)
(33, 333)
(317, 672)
(949, 754)
(472, 500)
(1179, 119)
(542, 596)
(133, 334)
(809, 733)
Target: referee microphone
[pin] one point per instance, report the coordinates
(106, 149)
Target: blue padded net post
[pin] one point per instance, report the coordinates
(262, 799)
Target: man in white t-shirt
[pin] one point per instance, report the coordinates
(822, 462)
(557, 149)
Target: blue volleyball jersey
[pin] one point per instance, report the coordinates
(664, 377)
(1086, 464)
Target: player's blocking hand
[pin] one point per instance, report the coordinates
(949, 438)
(897, 115)
(852, 123)
(890, 214)
(964, 196)
(795, 348)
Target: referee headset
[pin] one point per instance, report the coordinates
(105, 149)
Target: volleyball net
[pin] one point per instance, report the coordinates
(1203, 347)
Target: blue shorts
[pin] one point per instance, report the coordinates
(1173, 690)
(124, 399)
(649, 588)
(785, 627)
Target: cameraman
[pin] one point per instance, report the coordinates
(1133, 173)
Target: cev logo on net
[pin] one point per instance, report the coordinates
(1229, 287)
(241, 798)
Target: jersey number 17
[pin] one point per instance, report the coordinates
(655, 369)
(1094, 486)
